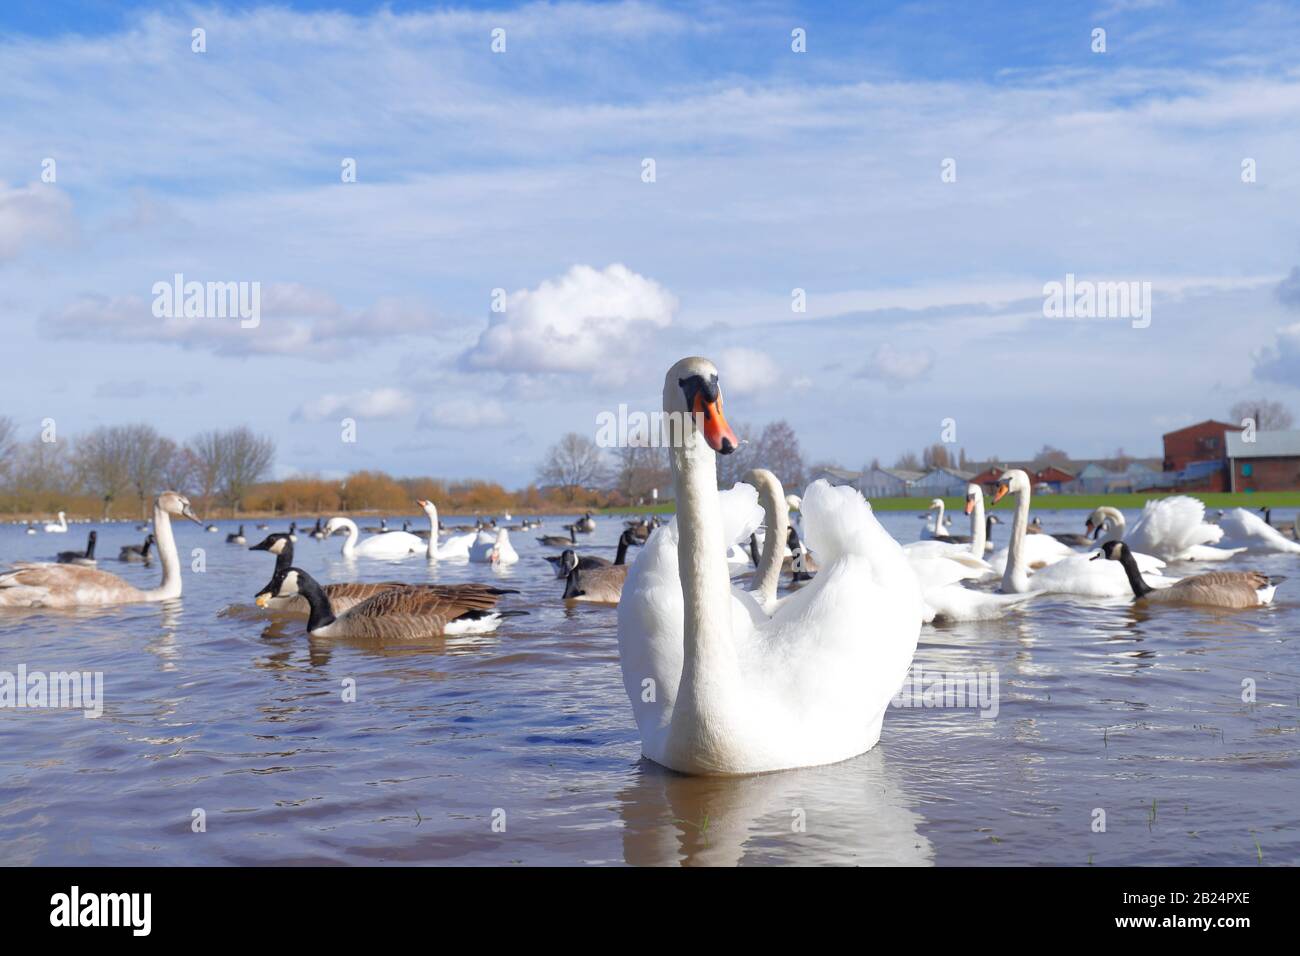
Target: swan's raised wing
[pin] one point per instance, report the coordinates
(1169, 526)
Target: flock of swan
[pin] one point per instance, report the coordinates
(725, 674)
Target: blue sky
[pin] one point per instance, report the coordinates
(522, 171)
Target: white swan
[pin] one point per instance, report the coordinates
(1174, 529)
(456, 546)
(933, 525)
(1077, 574)
(391, 544)
(715, 687)
(60, 527)
(1250, 531)
(68, 585)
(495, 550)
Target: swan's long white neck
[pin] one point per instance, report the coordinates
(978, 529)
(351, 543)
(1113, 526)
(938, 520)
(706, 697)
(165, 541)
(432, 512)
(1015, 580)
(776, 516)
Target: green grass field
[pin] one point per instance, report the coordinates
(1049, 503)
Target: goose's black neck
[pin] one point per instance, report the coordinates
(621, 556)
(573, 533)
(90, 546)
(148, 543)
(1268, 516)
(1139, 586)
(571, 589)
(322, 614)
(988, 527)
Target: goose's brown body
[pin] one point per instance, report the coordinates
(1230, 589)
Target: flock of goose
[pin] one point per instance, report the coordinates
(726, 674)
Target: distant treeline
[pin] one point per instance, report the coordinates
(116, 471)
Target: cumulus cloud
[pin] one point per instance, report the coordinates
(465, 413)
(32, 214)
(745, 371)
(1281, 361)
(372, 404)
(295, 320)
(897, 367)
(1288, 290)
(587, 321)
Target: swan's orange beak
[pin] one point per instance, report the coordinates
(716, 430)
(1000, 493)
(970, 505)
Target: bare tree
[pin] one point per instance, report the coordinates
(245, 460)
(179, 471)
(1268, 415)
(908, 461)
(39, 470)
(150, 453)
(778, 452)
(572, 464)
(639, 470)
(103, 462)
(207, 452)
(1050, 455)
(8, 444)
(936, 456)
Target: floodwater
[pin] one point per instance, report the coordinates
(1120, 737)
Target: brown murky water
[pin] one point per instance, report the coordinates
(519, 747)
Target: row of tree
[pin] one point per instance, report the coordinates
(578, 471)
(114, 464)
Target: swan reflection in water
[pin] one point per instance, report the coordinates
(850, 812)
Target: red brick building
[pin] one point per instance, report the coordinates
(1197, 444)
(1269, 463)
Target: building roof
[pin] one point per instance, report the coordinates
(842, 474)
(1208, 421)
(1279, 444)
(902, 474)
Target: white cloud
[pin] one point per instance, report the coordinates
(587, 321)
(897, 366)
(1288, 290)
(466, 414)
(295, 321)
(745, 371)
(32, 214)
(372, 404)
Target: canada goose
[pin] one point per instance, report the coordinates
(293, 531)
(237, 537)
(1228, 589)
(60, 528)
(587, 562)
(212, 529)
(136, 552)
(556, 541)
(31, 528)
(603, 585)
(85, 559)
(318, 532)
(63, 585)
(401, 613)
(263, 526)
(585, 525)
(342, 597)
(1067, 538)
